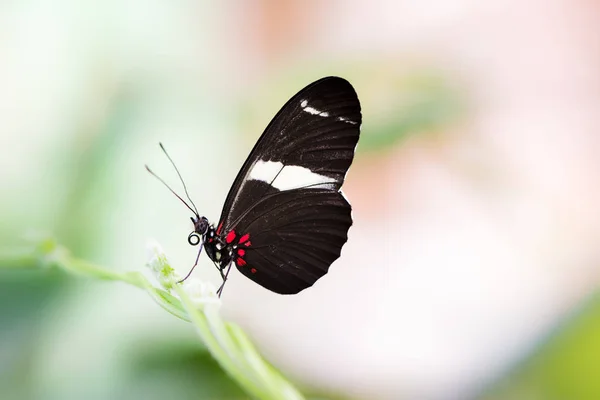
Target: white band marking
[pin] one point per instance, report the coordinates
(312, 110)
(346, 120)
(291, 177)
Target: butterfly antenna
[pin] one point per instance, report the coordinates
(172, 191)
(180, 177)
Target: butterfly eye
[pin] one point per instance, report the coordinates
(194, 239)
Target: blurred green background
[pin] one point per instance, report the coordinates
(472, 267)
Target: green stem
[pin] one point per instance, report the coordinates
(223, 355)
(19, 258)
(227, 343)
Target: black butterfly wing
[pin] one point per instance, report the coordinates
(289, 240)
(286, 198)
(316, 129)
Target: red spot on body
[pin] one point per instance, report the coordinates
(241, 262)
(241, 252)
(248, 244)
(230, 236)
(253, 270)
(211, 240)
(245, 238)
(219, 228)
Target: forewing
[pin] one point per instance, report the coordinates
(310, 143)
(288, 240)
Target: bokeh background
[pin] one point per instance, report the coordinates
(473, 266)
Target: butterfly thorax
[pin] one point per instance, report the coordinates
(217, 249)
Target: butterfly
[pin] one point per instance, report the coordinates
(285, 219)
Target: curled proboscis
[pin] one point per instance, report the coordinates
(194, 239)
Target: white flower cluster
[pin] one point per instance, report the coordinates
(201, 293)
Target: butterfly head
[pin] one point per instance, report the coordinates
(200, 228)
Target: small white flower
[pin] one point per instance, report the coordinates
(201, 293)
(158, 263)
(155, 255)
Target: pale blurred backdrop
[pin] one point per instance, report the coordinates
(473, 266)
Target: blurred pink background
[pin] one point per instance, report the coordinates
(471, 240)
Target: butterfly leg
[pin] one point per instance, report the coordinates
(196, 263)
(221, 270)
(224, 276)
